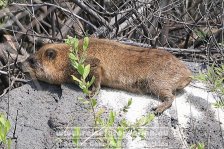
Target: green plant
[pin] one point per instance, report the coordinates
(198, 146)
(76, 136)
(113, 131)
(4, 127)
(214, 78)
(3, 3)
(200, 33)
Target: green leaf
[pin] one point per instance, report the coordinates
(219, 104)
(129, 102)
(86, 71)
(68, 41)
(198, 146)
(94, 102)
(76, 135)
(9, 142)
(201, 146)
(73, 57)
(85, 43)
(112, 141)
(99, 121)
(85, 90)
(81, 69)
(4, 128)
(76, 79)
(7, 126)
(134, 135)
(85, 102)
(120, 134)
(82, 85)
(126, 107)
(144, 120)
(111, 118)
(142, 134)
(76, 44)
(124, 123)
(2, 120)
(75, 64)
(100, 112)
(91, 82)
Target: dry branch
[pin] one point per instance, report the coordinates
(82, 5)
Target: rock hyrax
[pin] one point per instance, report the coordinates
(116, 65)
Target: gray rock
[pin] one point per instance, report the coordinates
(47, 115)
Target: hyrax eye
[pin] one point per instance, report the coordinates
(50, 54)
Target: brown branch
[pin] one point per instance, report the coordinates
(83, 6)
(61, 8)
(68, 24)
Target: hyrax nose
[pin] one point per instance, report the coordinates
(32, 61)
(19, 64)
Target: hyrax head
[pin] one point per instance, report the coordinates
(49, 64)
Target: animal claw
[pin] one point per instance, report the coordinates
(158, 110)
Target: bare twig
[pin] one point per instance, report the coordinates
(82, 5)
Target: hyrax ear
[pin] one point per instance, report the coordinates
(50, 54)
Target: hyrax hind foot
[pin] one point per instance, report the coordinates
(167, 98)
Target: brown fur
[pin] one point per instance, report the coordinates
(116, 65)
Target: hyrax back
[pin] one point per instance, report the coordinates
(116, 65)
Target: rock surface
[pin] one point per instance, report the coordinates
(47, 115)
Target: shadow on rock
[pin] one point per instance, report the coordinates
(203, 128)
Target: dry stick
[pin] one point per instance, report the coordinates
(69, 23)
(82, 5)
(46, 24)
(14, 79)
(24, 33)
(19, 24)
(39, 19)
(164, 32)
(3, 72)
(13, 9)
(11, 59)
(92, 135)
(212, 36)
(101, 30)
(9, 87)
(53, 24)
(63, 9)
(21, 14)
(131, 32)
(14, 131)
(145, 29)
(126, 22)
(23, 51)
(58, 24)
(129, 42)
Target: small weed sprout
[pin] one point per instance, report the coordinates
(4, 127)
(113, 131)
(3, 3)
(198, 146)
(214, 78)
